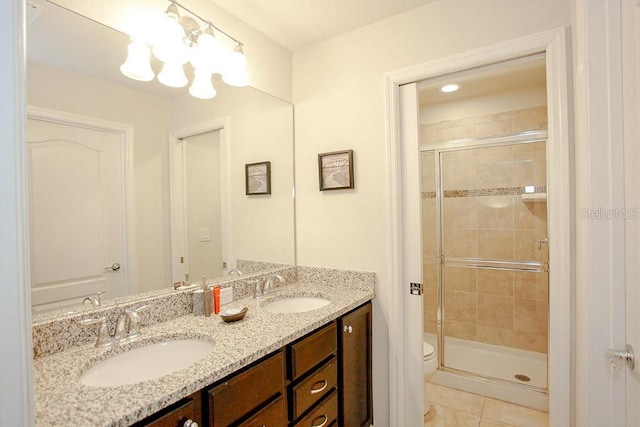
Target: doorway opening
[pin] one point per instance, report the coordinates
(406, 318)
(484, 224)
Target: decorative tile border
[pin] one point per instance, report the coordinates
(482, 192)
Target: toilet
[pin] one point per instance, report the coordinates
(429, 366)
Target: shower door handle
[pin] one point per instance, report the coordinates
(626, 355)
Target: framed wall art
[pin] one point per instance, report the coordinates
(336, 170)
(258, 178)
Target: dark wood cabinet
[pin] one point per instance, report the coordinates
(355, 369)
(177, 415)
(246, 392)
(323, 414)
(313, 387)
(321, 379)
(274, 414)
(311, 350)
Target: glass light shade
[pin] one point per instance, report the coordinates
(208, 54)
(238, 78)
(202, 87)
(235, 72)
(169, 40)
(172, 74)
(137, 66)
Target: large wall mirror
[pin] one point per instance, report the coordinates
(133, 184)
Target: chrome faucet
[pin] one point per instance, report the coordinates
(268, 286)
(127, 327)
(95, 300)
(235, 271)
(128, 324)
(104, 338)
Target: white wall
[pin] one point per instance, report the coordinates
(338, 91)
(73, 93)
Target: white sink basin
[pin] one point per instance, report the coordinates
(296, 304)
(146, 363)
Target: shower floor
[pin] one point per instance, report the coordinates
(494, 361)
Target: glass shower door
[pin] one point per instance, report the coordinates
(492, 258)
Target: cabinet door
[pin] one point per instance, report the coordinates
(272, 415)
(177, 414)
(246, 391)
(306, 393)
(355, 368)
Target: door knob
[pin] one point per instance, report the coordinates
(626, 355)
(115, 267)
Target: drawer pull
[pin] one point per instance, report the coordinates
(190, 423)
(324, 419)
(324, 385)
(347, 329)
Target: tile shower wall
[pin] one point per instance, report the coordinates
(485, 217)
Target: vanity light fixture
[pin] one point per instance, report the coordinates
(450, 88)
(181, 39)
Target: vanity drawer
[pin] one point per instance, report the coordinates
(314, 387)
(176, 414)
(242, 393)
(313, 349)
(323, 415)
(272, 415)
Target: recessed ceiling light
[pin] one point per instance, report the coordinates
(450, 88)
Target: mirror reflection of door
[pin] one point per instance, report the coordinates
(203, 204)
(76, 213)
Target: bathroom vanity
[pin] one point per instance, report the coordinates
(323, 378)
(275, 369)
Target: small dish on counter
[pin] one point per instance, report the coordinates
(233, 314)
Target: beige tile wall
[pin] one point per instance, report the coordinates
(490, 306)
(485, 126)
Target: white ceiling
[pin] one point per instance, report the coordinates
(295, 24)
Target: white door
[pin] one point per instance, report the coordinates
(76, 213)
(203, 205)
(631, 50)
(412, 256)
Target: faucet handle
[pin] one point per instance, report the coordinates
(134, 319)
(104, 338)
(268, 284)
(94, 299)
(258, 290)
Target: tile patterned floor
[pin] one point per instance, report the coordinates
(455, 408)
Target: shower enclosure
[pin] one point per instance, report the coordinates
(485, 258)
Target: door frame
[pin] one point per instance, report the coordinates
(603, 126)
(178, 194)
(16, 358)
(560, 199)
(125, 133)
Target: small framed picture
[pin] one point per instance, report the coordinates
(258, 178)
(336, 170)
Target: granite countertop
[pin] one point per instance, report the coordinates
(61, 400)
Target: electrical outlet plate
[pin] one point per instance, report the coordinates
(226, 295)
